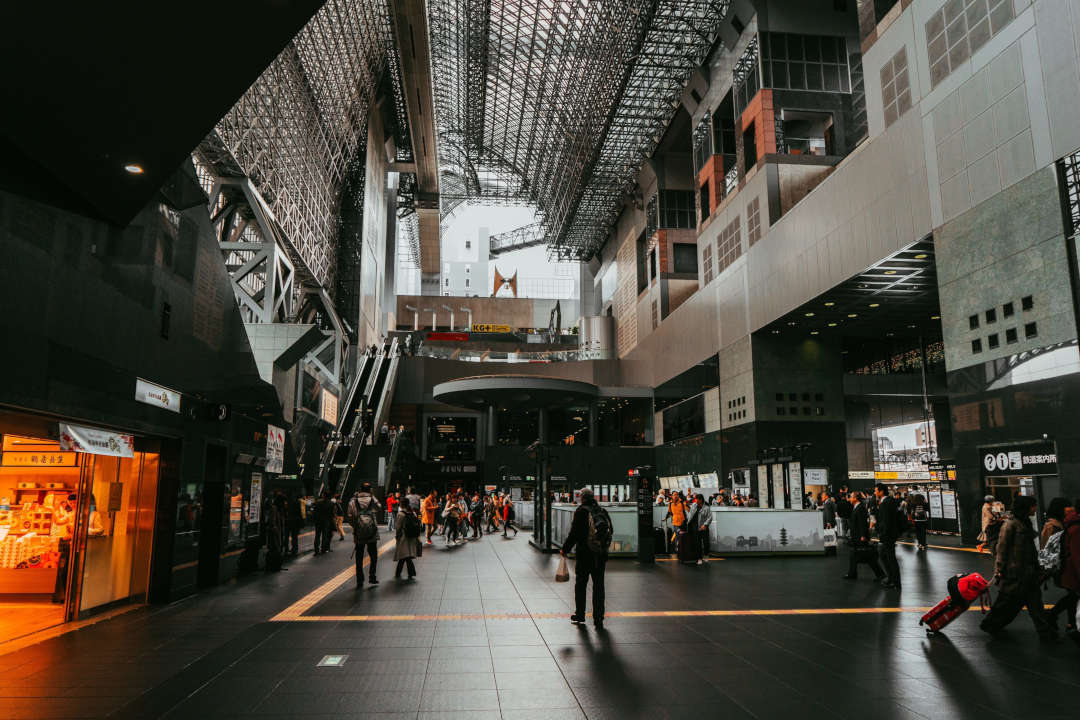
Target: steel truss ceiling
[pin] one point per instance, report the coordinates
(295, 132)
(558, 102)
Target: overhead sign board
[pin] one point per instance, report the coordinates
(157, 395)
(1027, 459)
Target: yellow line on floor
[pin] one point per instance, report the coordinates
(946, 547)
(316, 596)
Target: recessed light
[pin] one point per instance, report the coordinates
(775, 332)
(134, 169)
(792, 324)
(890, 272)
(809, 314)
(935, 317)
(829, 304)
(875, 305)
(851, 315)
(813, 332)
(832, 324)
(920, 256)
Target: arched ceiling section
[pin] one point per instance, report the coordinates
(558, 102)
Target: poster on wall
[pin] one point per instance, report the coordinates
(935, 503)
(275, 449)
(763, 485)
(795, 479)
(255, 503)
(948, 505)
(779, 501)
(815, 476)
(79, 438)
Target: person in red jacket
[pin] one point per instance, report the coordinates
(1070, 573)
(508, 516)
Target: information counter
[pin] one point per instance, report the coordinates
(763, 531)
(623, 526)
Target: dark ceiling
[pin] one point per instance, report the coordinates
(91, 87)
(896, 297)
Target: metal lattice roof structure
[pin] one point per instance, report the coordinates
(295, 132)
(557, 103)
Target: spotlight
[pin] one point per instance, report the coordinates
(134, 169)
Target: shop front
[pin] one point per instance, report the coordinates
(77, 518)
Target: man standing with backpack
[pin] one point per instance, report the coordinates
(590, 532)
(361, 515)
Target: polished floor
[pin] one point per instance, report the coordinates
(482, 633)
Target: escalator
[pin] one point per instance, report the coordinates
(349, 415)
(377, 396)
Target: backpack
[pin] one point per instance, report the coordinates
(599, 537)
(920, 514)
(1051, 560)
(411, 527)
(362, 519)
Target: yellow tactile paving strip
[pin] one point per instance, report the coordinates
(316, 596)
(614, 614)
(946, 547)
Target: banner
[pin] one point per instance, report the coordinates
(96, 441)
(795, 482)
(255, 502)
(275, 449)
(157, 395)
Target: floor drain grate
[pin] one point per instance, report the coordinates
(332, 661)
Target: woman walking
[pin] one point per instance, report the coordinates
(428, 508)
(408, 540)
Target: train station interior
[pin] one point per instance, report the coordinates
(260, 256)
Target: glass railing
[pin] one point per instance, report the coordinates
(535, 356)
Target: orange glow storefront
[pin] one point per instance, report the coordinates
(77, 516)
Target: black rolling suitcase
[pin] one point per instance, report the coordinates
(688, 547)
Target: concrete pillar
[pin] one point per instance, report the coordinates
(593, 412)
(542, 425)
(492, 425)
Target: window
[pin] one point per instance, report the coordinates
(744, 76)
(992, 341)
(780, 411)
(1007, 310)
(806, 397)
(819, 397)
(655, 315)
(467, 269)
(670, 209)
(728, 246)
(704, 200)
(702, 142)
(804, 62)
(976, 345)
(685, 257)
(468, 244)
(895, 87)
(819, 411)
(791, 397)
(466, 282)
(1010, 336)
(706, 264)
(973, 322)
(753, 221)
(1030, 330)
(779, 397)
(960, 28)
(991, 316)
(793, 410)
(642, 267)
(1027, 302)
(749, 148)
(806, 411)
(654, 265)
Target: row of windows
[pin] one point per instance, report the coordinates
(737, 402)
(960, 28)
(993, 341)
(793, 397)
(728, 246)
(804, 62)
(895, 87)
(706, 264)
(819, 411)
(671, 209)
(753, 221)
(739, 415)
(1007, 311)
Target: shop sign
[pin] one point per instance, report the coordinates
(488, 328)
(1030, 459)
(255, 503)
(157, 395)
(329, 408)
(860, 474)
(27, 458)
(816, 476)
(448, 336)
(275, 449)
(78, 438)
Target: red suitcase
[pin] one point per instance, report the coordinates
(963, 591)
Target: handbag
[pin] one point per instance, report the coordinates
(562, 573)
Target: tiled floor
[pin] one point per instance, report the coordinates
(494, 642)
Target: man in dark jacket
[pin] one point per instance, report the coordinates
(828, 510)
(859, 540)
(589, 564)
(323, 516)
(843, 513)
(888, 531)
(295, 523)
(1016, 569)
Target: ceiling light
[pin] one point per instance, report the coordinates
(829, 304)
(935, 317)
(813, 332)
(920, 256)
(873, 305)
(890, 272)
(832, 324)
(134, 169)
(851, 315)
(809, 314)
(775, 332)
